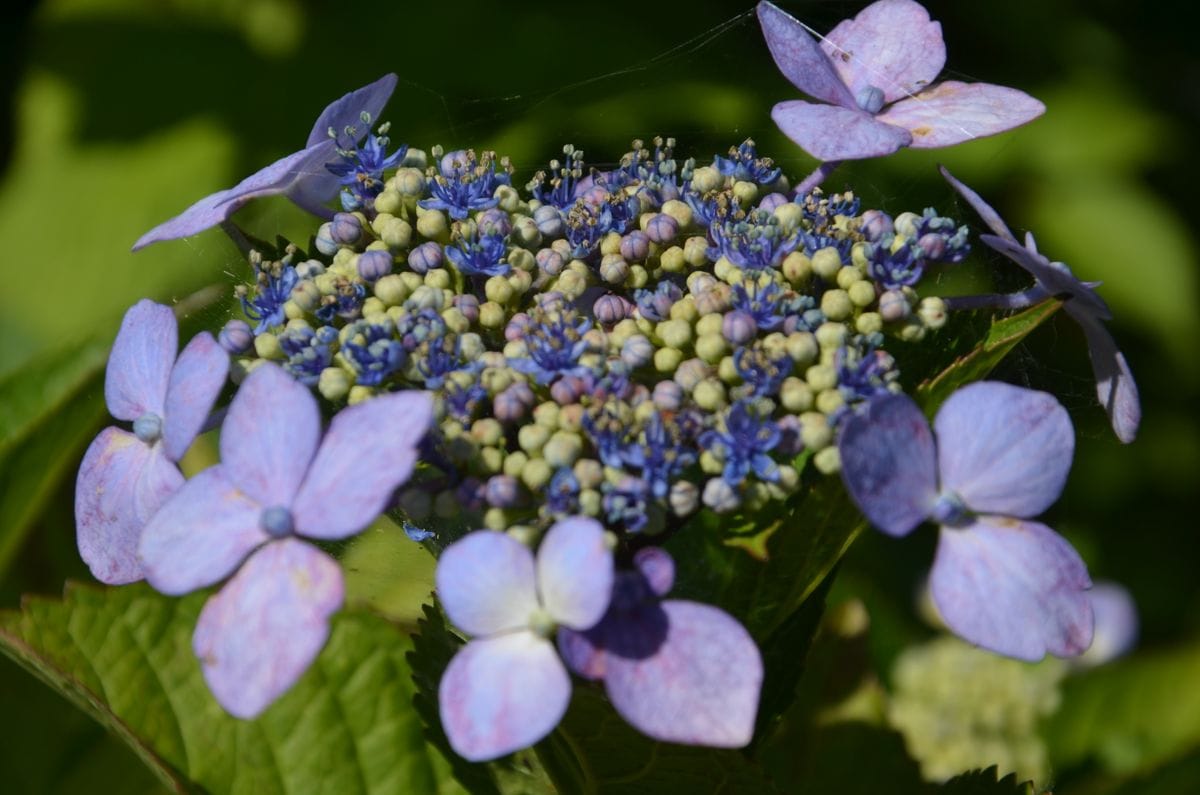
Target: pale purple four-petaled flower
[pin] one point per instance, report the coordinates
(1001, 455)
(1115, 387)
(125, 477)
(874, 74)
(301, 176)
(278, 482)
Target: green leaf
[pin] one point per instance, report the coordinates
(123, 655)
(1131, 715)
(984, 782)
(1002, 337)
(595, 751)
(48, 411)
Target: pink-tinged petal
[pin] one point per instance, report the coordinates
(1115, 387)
(828, 132)
(953, 112)
(195, 383)
(1116, 624)
(347, 111)
(985, 210)
(1055, 277)
(1016, 588)
(486, 583)
(575, 572)
(1004, 449)
(369, 450)
(888, 463)
(122, 483)
(582, 652)
(200, 535)
(502, 694)
(139, 366)
(657, 568)
(301, 174)
(891, 45)
(800, 58)
(700, 683)
(258, 635)
(269, 436)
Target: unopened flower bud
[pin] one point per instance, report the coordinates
(374, 265)
(345, 229)
(893, 306)
(662, 228)
(425, 257)
(236, 337)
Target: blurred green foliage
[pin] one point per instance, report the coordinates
(120, 113)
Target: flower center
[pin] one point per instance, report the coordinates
(950, 510)
(148, 427)
(276, 521)
(542, 623)
(870, 99)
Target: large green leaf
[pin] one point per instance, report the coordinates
(124, 656)
(47, 412)
(1132, 715)
(984, 782)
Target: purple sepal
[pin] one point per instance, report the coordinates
(501, 694)
(346, 112)
(831, 132)
(122, 483)
(1013, 587)
(889, 463)
(486, 583)
(1116, 625)
(1004, 449)
(575, 572)
(195, 382)
(1115, 388)
(258, 635)
(800, 58)
(139, 366)
(953, 112)
(892, 45)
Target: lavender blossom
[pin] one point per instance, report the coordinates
(1001, 455)
(126, 477)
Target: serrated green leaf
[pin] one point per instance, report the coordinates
(1002, 337)
(47, 413)
(124, 656)
(984, 782)
(1131, 715)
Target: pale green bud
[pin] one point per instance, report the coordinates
(438, 279)
(495, 519)
(515, 461)
(667, 359)
(847, 276)
(815, 432)
(795, 395)
(292, 310)
(695, 251)
(709, 394)
(821, 377)
(509, 199)
(746, 193)
(685, 310)
(491, 459)
(522, 260)
(610, 243)
(389, 202)
(546, 414)
(831, 336)
(497, 289)
(675, 333)
(673, 260)
(869, 323)
(829, 401)
(911, 330)
(408, 182)
(537, 474)
(797, 268)
(525, 233)
(727, 371)
(492, 315)
(861, 292)
(836, 305)
(372, 307)
(359, 394)
(495, 379)
(589, 472)
(391, 290)
(680, 211)
(906, 224)
(266, 345)
(488, 432)
(932, 312)
(455, 320)
(710, 463)
(638, 276)
(396, 234)
(590, 502)
(711, 347)
(334, 384)
(431, 224)
(826, 263)
(828, 461)
(802, 347)
(532, 438)
(412, 281)
(708, 324)
(707, 178)
(790, 215)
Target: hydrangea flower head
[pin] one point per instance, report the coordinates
(507, 688)
(874, 74)
(678, 671)
(1001, 455)
(1115, 387)
(277, 482)
(125, 476)
(301, 176)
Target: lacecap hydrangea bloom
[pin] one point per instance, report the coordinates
(546, 381)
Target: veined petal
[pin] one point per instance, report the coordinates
(139, 366)
(486, 583)
(985, 210)
(269, 436)
(892, 45)
(501, 694)
(953, 112)
(800, 58)
(347, 110)
(368, 451)
(195, 383)
(698, 685)
(1004, 449)
(1055, 277)
(1115, 387)
(258, 635)
(575, 572)
(888, 463)
(1016, 588)
(286, 175)
(200, 535)
(828, 132)
(122, 483)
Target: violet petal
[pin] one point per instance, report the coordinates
(269, 436)
(888, 463)
(200, 535)
(1054, 277)
(486, 583)
(700, 686)
(195, 382)
(985, 210)
(501, 694)
(259, 634)
(581, 652)
(953, 112)
(346, 111)
(139, 366)
(891, 45)
(829, 132)
(575, 572)
(369, 450)
(657, 567)
(1115, 388)
(1004, 449)
(122, 482)
(1013, 587)
(800, 58)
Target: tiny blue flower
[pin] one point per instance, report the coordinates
(480, 255)
(744, 444)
